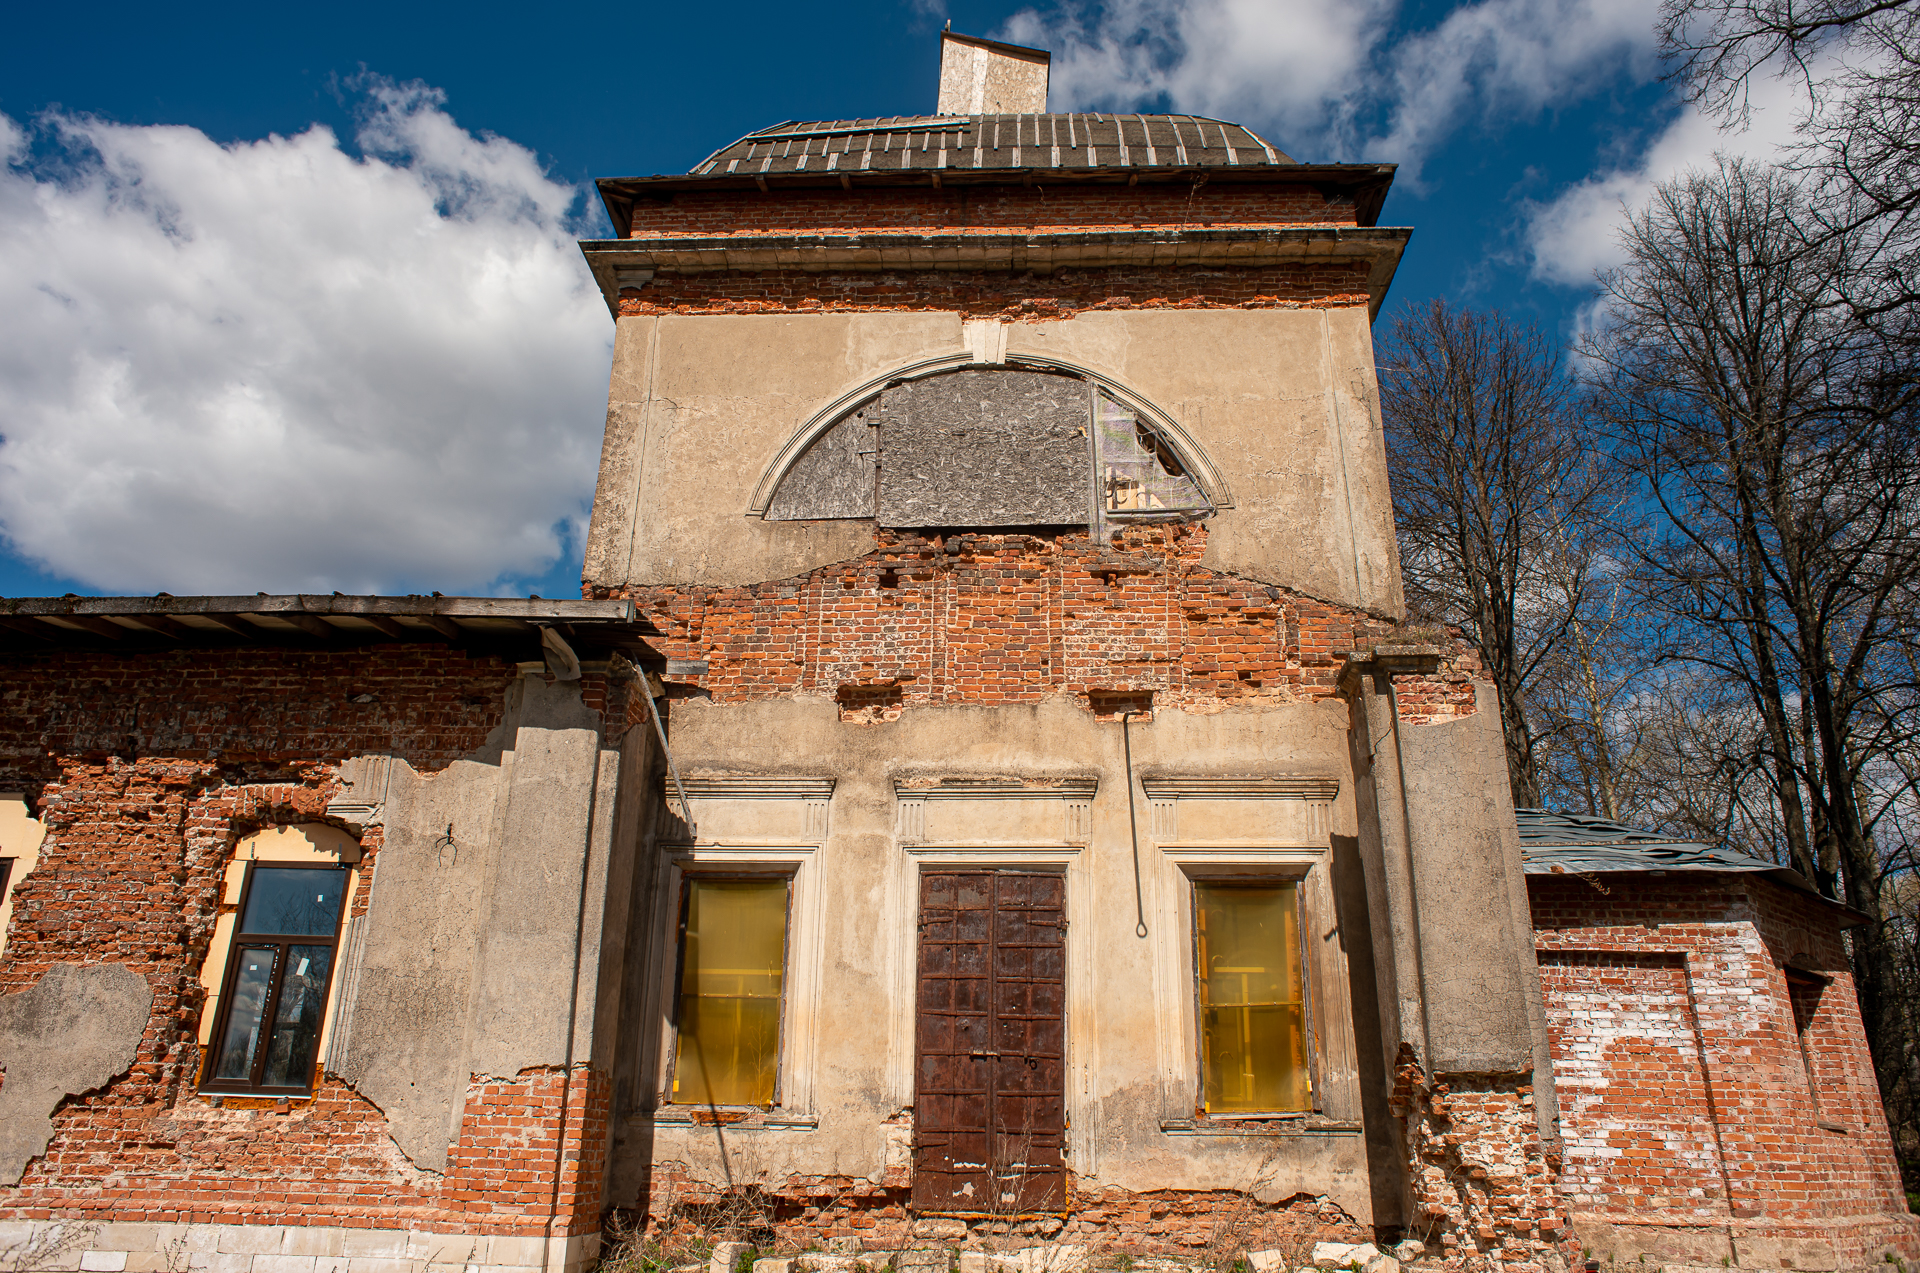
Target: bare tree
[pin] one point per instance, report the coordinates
(1490, 483)
(1589, 680)
(1777, 443)
(1859, 61)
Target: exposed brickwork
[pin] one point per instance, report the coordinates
(1685, 1101)
(147, 771)
(989, 210)
(1481, 1182)
(1017, 617)
(985, 294)
(501, 1174)
(1437, 697)
(805, 1210)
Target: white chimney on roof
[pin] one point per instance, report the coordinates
(985, 77)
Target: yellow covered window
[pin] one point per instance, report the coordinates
(1253, 1030)
(733, 957)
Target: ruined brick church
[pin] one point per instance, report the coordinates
(984, 791)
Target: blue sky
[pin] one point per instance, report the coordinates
(288, 299)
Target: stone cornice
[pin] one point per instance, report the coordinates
(633, 262)
(1210, 787)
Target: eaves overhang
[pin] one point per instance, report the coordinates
(1366, 184)
(309, 621)
(618, 263)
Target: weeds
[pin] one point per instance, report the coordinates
(44, 1248)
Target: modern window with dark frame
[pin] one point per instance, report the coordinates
(730, 990)
(1255, 1049)
(273, 999)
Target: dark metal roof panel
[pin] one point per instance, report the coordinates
(1578, 842)
(932, 143)
(131, 623)
(1575, 844)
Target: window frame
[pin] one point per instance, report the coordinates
(688, 876)
(1229, 876)
(240, 940)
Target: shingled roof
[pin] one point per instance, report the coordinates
(1085, 141)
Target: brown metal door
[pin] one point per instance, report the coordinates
(990, 1043)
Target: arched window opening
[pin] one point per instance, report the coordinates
(983, 448)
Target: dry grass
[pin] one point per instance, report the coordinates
(45, 1249)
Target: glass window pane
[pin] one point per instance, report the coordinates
(295, 901)
(249, 1000)
(296, 1018)
(1253, 1039)
(733, 967)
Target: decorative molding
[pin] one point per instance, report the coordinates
(758, 787)
(814, 795)
(1202, 787)
(986, 339)
(1079, 818)
(999, 789)
(357, 816)
(1166, 791)
(1075, 794)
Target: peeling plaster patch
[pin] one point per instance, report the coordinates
(73, 1031)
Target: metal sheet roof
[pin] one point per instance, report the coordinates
(38, 624)
(979, 142)
(1570, 843)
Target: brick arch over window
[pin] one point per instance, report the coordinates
(1026, 443)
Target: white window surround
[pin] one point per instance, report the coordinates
(1045, 825)
(1288, 821)
(904, 916)
(800, 1007)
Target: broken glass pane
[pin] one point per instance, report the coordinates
(1139, 473)
(1253, 1038)
(733, 963)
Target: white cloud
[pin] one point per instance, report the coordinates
(1339, 81)
(1499, 58)
(274, 365)
(1576, 233)
(1282, 65)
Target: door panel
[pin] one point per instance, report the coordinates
(990, 1043)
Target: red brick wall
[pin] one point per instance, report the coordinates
(147, 769)
(991, 618)
(1480, 1179)
(1042, 206)
(980, 294)
(1011, 296)
(501, 1174)
(1683, 1096)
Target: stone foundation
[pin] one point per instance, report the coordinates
(272, 1248)
(1214, 1226)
